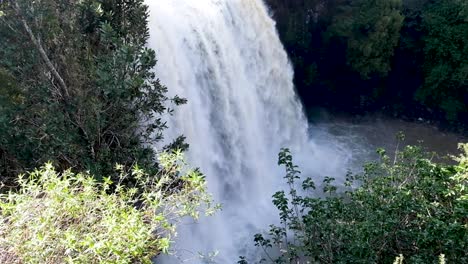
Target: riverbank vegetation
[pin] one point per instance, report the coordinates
(406, 207)
(407, 58)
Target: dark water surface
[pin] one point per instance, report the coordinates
(361, 136)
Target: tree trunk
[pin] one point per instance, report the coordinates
(63, 86)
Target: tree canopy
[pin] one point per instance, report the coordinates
(372, 31)
(402, 57)
(82, 92)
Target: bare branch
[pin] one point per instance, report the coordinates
(37, 43)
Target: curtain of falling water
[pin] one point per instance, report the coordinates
(226, 58)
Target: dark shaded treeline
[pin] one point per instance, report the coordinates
(404, 58)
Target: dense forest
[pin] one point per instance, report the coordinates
(407, 58)
(81, 109)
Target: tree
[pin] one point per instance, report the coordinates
(85, 93)
(446, 57)
(371, 30)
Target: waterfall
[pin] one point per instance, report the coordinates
(226, 58)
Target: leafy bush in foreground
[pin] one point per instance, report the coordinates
(72, 218)
(406, 206)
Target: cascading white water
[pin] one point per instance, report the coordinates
(225, 57)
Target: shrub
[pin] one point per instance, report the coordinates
(72, 218)
(404, 206)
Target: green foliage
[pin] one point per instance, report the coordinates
(294, 20)
(403, 206)
(10, 98)
(72, 218)
(446, 57)
(372, 30)
(357, 55)
(107, 110)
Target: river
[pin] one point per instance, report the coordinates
(364, 134)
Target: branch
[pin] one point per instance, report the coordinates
(63, 86)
